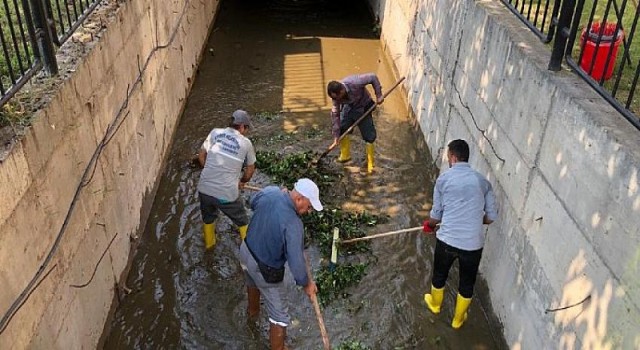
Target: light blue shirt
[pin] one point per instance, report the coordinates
(276, 233)
(461, 198)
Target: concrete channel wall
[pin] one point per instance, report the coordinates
(564, 166)
(163, 40)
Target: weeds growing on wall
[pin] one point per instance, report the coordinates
(13, 114)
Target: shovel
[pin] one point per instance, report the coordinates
(316, 161)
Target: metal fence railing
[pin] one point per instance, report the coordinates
(601, 49)
(19, 60)
(596, 38)
(538, 15)
(68, 15)
(29, 29)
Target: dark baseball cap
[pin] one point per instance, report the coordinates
(241, 117)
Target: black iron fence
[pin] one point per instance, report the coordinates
(601, 49)
(596, 38)
(29, 29)
(538, 15)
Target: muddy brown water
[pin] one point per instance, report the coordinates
(276, 57)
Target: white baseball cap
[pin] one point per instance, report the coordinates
(309, 190)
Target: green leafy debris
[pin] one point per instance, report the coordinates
(312, 133)
(267, 116)
(319, 227)
(274, 139)
(287, 169)
(332, 282)
(352, 345)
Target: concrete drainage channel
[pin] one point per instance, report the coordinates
(274, 59)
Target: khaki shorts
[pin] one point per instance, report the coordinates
(273, 294)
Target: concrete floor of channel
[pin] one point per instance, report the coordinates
(274, 58)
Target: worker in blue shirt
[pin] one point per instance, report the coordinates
(463, 201)
(276, 236)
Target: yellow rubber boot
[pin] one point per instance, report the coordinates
(243, 231)
(460, 315)
(370, 149)
(345, 150)
(209, 231)
(434, 300)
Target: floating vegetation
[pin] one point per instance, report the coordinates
(312, 133)
(275, 139)
(319, 227)
(352, 345)
(267, 116)
(434, 341)
(287, 169)
(332, 282)
(286, 137)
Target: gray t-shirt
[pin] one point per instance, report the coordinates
(227, 152)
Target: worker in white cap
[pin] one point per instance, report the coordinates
(228, 160)
(276, 237)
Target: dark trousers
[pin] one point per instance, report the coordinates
(469, 261)
(367, 129)
(235, 210)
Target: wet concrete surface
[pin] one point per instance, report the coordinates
(276, 57)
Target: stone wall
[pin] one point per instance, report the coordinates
(564, 165)
(76, 186)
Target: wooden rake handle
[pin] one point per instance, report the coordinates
(360, 119)
(252, 188)
(379, 235)
(316, 307)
